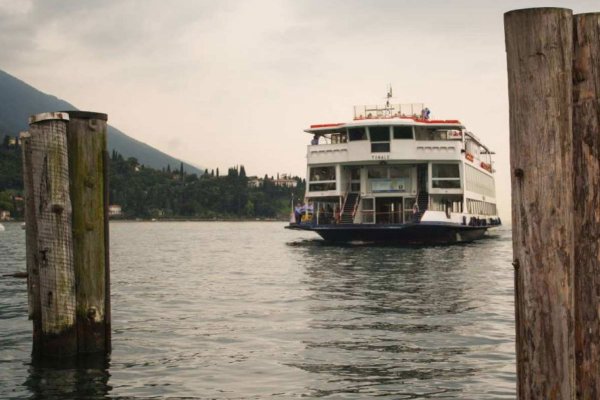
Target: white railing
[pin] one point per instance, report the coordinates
(384, 217)
(388, 111)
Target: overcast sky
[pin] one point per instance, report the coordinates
(219, 83)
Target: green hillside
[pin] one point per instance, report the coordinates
(18, 101)
(145, 192)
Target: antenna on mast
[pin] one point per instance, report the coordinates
(388, 96)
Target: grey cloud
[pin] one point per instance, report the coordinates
(105, 29)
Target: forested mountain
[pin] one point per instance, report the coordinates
(145, 192)
(18, 101)
(148, 193)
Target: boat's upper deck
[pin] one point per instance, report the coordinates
(338, 127)
(391, 114)
(400, 132)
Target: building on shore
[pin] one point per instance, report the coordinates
(285, 180)
(282, 180)
(114, 211)
(255, 182)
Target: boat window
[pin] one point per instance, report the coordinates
(445, 171)
(331, 137)
(368, 211)
(445, 184)
(393, 171)
(393, 178)
(400, 171)
(435, 132)
(380, 139)
(322, 174)
(376, 172)
(381, 147)
(359, 133)
(379, 133)
(445, 176)
(338, 137)
(403, 132)
(320, 187)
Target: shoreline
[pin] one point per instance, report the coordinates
(198, 220)
(19, 221)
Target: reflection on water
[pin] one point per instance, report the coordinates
(248, 311)
(86, 378)
(401, 321)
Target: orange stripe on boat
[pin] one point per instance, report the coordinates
(316, 126)
(437, 121)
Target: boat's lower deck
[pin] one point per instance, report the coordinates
(412, 233)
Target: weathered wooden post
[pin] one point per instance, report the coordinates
(33, 272)
(65, 172)
(586, 157)
(47, 178)
(89, 197)
(539, 49)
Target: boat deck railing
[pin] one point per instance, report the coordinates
(408, 110)
(367, 217)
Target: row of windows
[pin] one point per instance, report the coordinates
(320, 187)
(380, 133)
(327, 173)
(479, 182)
(392, 171)
(437, 133)
(480, 207)
(380, 136)
(383, 133)
(443, 176)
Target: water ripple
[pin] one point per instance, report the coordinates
(251, 311)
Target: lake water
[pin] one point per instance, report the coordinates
(249, 310)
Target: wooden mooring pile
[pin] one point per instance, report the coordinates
(554, 90)
(66, 204)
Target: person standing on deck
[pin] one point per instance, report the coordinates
(298, 213)
(415, 212)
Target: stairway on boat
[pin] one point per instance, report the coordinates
(347, 216)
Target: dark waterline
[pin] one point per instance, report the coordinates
(247, 310)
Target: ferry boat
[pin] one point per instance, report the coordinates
(392, 174)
